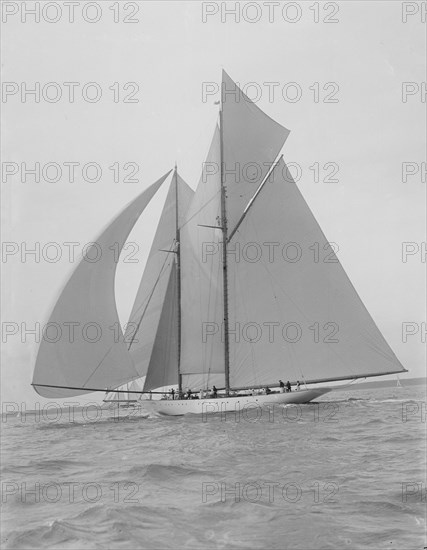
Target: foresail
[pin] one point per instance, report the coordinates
(201, 275)
(162, 370)
(251, 143)
(83, 345)
(293, 310)
(145, 316)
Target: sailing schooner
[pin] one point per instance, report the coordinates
(221, 302)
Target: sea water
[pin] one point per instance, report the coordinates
(345, 472)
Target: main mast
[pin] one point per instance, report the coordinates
(178, 273)
(224, 257)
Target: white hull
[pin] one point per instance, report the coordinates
(179, 407)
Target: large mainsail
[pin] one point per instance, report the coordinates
(295, 313)
(83, 345)
(202, 291)
(146, 326)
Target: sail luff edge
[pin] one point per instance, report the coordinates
(257, 192)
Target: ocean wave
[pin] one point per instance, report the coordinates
(361, 460)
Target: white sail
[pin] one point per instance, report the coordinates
(134, 386)
(163, 367)
(251, 143)
(124, 394)
(144, 320)
(201, 277)
(297, 313)
(90, 352)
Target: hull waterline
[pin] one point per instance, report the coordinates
(180, 407)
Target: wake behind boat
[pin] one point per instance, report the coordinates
(241, 288)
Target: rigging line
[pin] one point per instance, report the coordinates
(208, 378)
(212, 303)
(167, 348)
(200, 278)
(149, 300)
(329, 345)
(251, 347)
(200, 209)
(98, 365)
(217, 304)
(89, 390)
(348, 280)
(291, 351)
(208, 360)
(211, 306)
(257, 192)
(160, 272)
(145, 304)
(219, 314)
(283, 291)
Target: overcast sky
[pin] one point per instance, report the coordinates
(174, 47)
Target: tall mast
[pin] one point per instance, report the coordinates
(178, 272)
(224, 258)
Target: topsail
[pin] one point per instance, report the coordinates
(251, 143)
